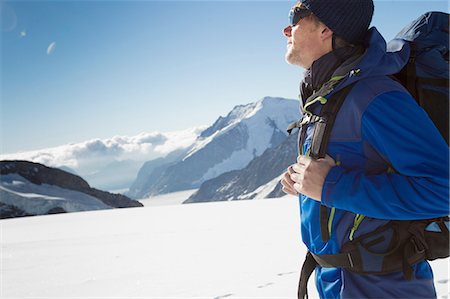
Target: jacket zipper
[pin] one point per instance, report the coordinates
(330, 220)
(356, 222)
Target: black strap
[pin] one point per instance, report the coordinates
(324, 223)
(323, 128)
(301, 139)
(292, 126)
(321, 137)
(307, 269)
(339, 260)
(411, 74)
(322, 131)
(433, 81)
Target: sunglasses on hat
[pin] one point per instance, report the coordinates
(296, 14)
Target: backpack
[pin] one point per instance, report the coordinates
(426, 77)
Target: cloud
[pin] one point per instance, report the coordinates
(8, 17)
(89, 156)
(51, 48)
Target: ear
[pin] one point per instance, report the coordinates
(326, 33)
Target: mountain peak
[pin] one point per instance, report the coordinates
(238, 113)
(268, 106)
(269, 100)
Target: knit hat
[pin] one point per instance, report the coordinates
(348, 19)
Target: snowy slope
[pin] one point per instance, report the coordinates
(229, 144)
(260, 119)
(39, 199)
(242, 249)
(28, 188)
(259, 179)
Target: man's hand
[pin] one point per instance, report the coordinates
(307, 176)
(288, 183)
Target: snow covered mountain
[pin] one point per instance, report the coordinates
(229, 144)
(28, 188)
(151, 171)
(259, 179)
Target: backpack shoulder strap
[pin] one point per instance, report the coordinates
(323, 128)
(307, 269)
(320, 140)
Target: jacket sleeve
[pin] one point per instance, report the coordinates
(395, 126)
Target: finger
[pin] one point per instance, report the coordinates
(298, 187)
(330, 160)
(287, 178)
(290, 170)
(298, 168)
(296, 177)
(287, 183)
(289, 191)
(288, 186)
(303, 159)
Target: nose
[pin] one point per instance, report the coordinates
(287, 31)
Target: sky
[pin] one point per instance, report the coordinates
(77, 70)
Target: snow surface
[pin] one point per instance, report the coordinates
(167, 199)
(238, 159)
(264, 190)
(238, 249)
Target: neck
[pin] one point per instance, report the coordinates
(323, 68)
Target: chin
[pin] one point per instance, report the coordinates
(289, 58)
(292, 61)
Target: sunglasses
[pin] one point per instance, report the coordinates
(296, 14)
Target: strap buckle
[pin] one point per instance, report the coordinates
(306, 120)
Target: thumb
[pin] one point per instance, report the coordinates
(329, 160)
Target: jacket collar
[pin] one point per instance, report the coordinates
(324, 68)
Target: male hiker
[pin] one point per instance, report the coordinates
(383, 159)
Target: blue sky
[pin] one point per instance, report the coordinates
(125, 67)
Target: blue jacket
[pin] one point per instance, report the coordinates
(379, 127)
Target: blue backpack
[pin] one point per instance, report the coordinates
(426, 75)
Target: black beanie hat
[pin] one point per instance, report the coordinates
(348, 19)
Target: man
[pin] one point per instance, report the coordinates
(385, 158)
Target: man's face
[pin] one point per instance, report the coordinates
(304, 42)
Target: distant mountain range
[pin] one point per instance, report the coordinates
(28, 188)
(240, 156)
(223, 152)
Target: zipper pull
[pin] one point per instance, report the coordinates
(358, 219)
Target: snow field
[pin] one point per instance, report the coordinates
(239, 249)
